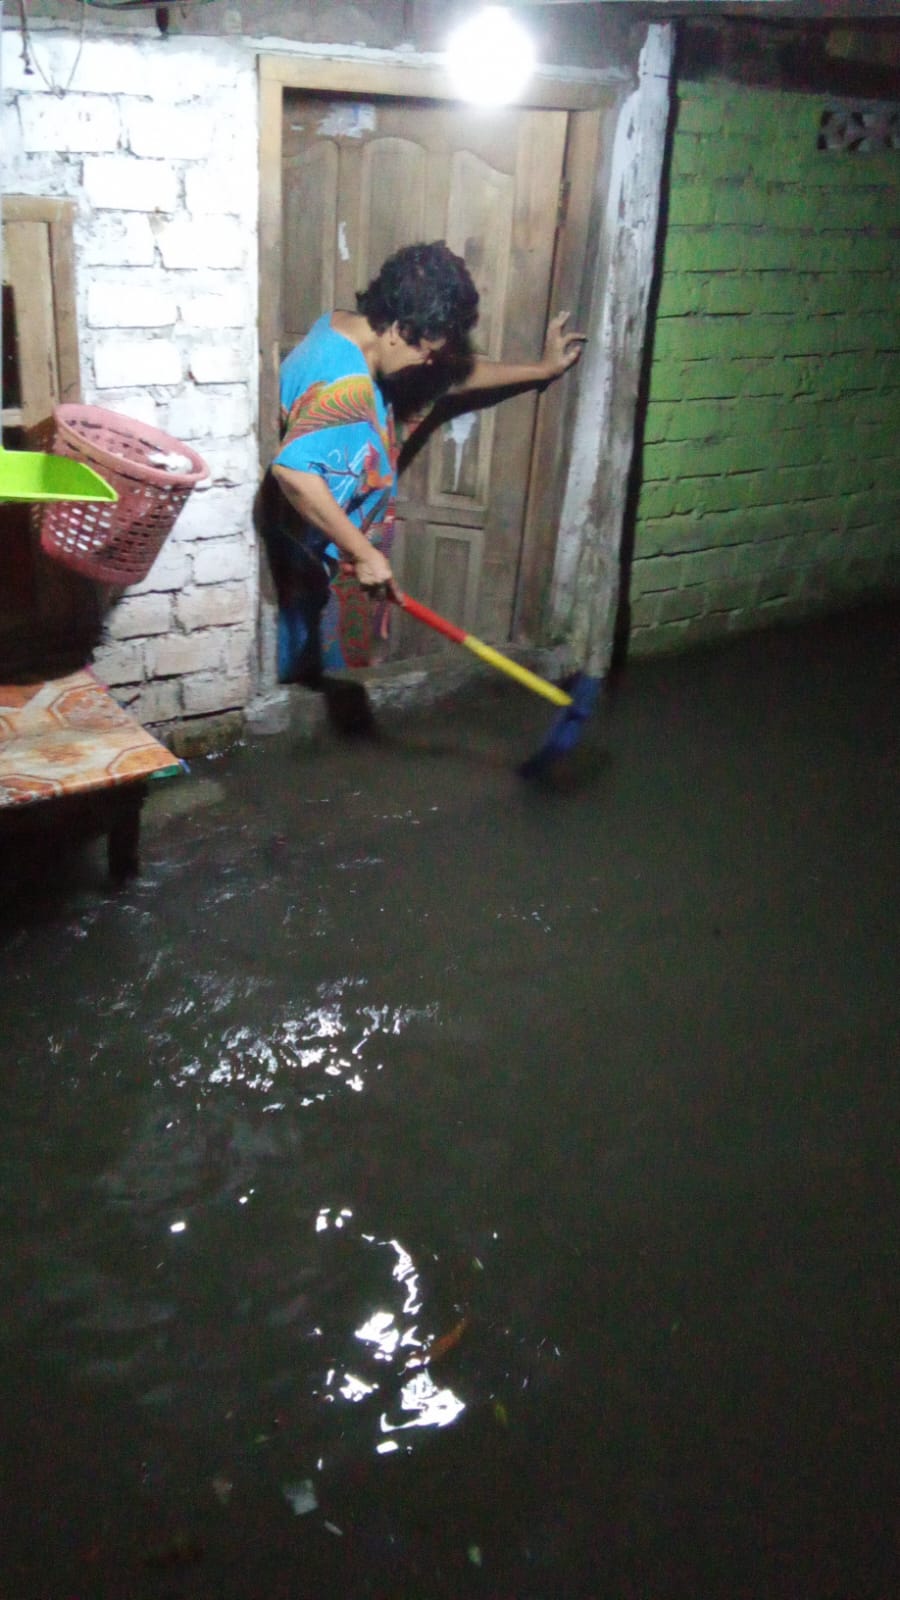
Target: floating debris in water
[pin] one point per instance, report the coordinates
(439, 1347)
(301, 1497)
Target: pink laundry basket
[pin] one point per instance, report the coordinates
(117, 543)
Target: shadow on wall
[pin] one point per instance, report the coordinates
(51, 619)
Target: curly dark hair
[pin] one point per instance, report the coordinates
(427, 291)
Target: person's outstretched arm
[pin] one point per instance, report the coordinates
(561, 351)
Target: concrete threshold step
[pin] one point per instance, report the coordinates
(396, 685)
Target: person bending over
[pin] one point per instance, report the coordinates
(329, 545)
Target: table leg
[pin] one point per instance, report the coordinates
(123, 837)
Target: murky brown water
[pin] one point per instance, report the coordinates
(422, 1185)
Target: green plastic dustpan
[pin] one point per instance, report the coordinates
(33, 475)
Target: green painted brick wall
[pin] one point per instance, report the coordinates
(770, 470)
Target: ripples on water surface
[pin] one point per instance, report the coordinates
(256, 1171)
(419, 1185)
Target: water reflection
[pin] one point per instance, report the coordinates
(231, 1263)
(217, 1121)
(387, 1375)
(423, 1405)
(328, 1043)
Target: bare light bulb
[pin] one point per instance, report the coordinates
(490, 58)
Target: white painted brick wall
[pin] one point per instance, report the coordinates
(211, 242)
(231, 461)
(77, 122)
(177, 654)
(118, 363)
(57, 56)
(124, 183)
(156, 142)
(223, 413)
(171, 571)
(114, 241)
(157, 702)
(228, 188)
(215, 605)
(221, 561)
(218, 364)
(42, 174)
(205, 305)
(137, 405)
(217, 513)
(202, 695)
(102, 65)
(118, 303)
(119, 663)
(137, 616)
(11, 130)
(184, 133)
(238, 645)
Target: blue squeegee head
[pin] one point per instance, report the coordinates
(568, 726)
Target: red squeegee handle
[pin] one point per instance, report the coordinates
(432, 620)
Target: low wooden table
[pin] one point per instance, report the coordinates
(72, 760)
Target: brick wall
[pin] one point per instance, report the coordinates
(156, 141)
(770, 481)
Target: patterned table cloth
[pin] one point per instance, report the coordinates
(68, 736)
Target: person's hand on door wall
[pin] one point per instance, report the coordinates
(562, 346)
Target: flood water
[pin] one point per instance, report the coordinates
(422, 1185)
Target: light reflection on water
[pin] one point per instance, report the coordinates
(338, 1313)
(390, 1373)
(325, 1042)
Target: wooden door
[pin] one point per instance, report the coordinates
(45, 611)
(360, 178)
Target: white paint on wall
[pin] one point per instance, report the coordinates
(343, 247)
(586, 575)
(460, 430)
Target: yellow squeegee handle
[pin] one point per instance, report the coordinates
(494, 658)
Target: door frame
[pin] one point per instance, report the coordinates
(58, 216)
(592, 107)
(63, 617)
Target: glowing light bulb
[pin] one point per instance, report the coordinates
(490, 58)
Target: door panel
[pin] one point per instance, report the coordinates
(479, 227)
(361, 179)
(310, 224)
(399, 168)
(453, 568)
(443, 562)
